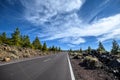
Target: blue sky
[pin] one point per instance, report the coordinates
(65, 23)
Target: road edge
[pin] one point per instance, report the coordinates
(71, 70)
(22, 60)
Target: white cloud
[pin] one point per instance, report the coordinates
(72, 40)
(69, 28)
(103, 29)
(114, 34)
(71, 45)
(104, 25)
(96, 10)
(40, 11)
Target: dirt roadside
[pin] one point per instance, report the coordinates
(81, 73)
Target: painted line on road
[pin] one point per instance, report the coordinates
(71, 70)
(47, 60)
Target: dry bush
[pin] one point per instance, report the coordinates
(91, 62)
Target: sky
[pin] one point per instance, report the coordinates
(69, 24)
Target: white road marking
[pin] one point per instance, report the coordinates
(47, 60)
(71, 71)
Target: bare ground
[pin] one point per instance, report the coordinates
(81, 73)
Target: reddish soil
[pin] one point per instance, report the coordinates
(81, 73)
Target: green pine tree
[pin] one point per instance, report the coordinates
(56, 48)
(37, 44)
(50, 48)
(115, 47)
(89, 49)
(16, 37)
(26, 41)
(44, 48)
(59, 49)
(4, 39)
(70, 50)
(53, 48)
(101, 47)
(81, 50)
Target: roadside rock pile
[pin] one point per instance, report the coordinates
(8, 53)
(104, 62)
(78, 56)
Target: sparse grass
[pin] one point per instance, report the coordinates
(91, 62)
(91, 58)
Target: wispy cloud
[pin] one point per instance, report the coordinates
(114, 34)
(41, 11)
(72, 40)
(95, 10)
(60, 20)
(103, 29)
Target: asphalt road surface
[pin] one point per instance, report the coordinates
(52, 67)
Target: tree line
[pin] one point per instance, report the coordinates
(115, 48)
(19, 40)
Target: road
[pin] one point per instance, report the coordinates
(52, 67)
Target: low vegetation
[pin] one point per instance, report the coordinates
(91, 62)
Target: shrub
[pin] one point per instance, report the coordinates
(91, 62)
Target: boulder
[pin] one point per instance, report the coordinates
(77, 57)
(7, 59)
(26, 55)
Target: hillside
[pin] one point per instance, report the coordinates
(8, 53)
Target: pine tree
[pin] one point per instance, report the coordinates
(53, 48)
(44, 48)
(16, 37)
(101, 47)
(4, 39)
(70, 50)
(37, 44)
(56, 48)
(9, 41)
(115, 47)
(50, 48)
(26, 41)
(59, 49)
(89, 49)
(80, 50)
(22, 40)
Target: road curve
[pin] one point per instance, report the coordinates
(53, 67)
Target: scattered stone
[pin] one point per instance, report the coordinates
(82, 73)
(9, 53)
(7, 59)
(26, 55)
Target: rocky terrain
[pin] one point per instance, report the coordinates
(91, 67)
(9, 53)
(81, 73)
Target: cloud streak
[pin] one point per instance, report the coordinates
(41, 11)
(60, 20)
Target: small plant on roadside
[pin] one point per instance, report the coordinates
(91, 62)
